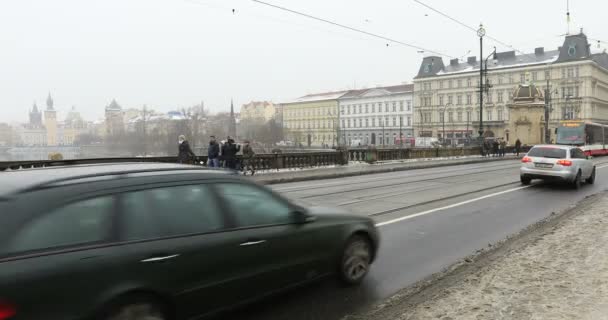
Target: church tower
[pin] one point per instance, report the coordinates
(35, 117)
(50, 122)
(232, 124)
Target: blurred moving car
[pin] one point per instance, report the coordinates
(161, 241)
(554, 162)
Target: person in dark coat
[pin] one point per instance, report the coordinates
(495, 148)
(517, 146)
(248, 154)
(229, 152)
(185, 154)
(213, 153)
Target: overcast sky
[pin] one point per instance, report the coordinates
(170, 54)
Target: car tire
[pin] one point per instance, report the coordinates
(591, 179)
(137, 310)
(576, 184)
(356, 260)
(525, 180)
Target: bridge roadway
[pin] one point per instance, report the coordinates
(428, 219)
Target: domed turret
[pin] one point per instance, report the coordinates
(527, 92)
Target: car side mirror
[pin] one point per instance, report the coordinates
(300, 216)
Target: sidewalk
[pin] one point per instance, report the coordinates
(559, 273)
(361, 168)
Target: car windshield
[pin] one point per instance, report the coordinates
(547, 152)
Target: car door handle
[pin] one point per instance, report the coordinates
(251, 243)
(157, 259)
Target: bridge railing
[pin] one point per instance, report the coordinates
(276, 161)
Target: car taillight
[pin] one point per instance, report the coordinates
(526, 159)
(565, 163)
(6, 311)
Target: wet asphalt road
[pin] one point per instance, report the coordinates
(453, 211)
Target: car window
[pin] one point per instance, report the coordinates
(577, 154)
(80, 222)
(170, 211)
(254, 206)
(547, 152)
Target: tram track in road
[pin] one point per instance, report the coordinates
(398, 183)
(338, 184)
(410, 206)
(599, 165)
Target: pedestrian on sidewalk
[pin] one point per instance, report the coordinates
(213, 153)
(517, 146)
(229, 152)
(503, 147)
(495, 146)
(248, 155)
(185, 154)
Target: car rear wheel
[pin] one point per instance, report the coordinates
(576, 184)
(356, 260)
(140, 310)
(591, 179)
(525, 180)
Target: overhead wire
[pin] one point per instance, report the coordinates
(466, 26)
(352, 28)
(236, 11)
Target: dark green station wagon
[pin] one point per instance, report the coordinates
(161, 241)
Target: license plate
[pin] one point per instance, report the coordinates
(543, 165)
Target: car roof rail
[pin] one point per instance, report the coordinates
(118, 174)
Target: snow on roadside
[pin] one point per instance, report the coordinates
(561, 274)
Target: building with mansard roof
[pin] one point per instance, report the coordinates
(447, 95)
(379, 116)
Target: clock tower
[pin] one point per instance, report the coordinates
(50, 122)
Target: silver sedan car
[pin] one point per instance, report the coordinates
(554, 162)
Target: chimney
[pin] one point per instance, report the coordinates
(472, 60)
(539, 51)
(454, 62)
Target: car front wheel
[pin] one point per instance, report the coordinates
(356, 260)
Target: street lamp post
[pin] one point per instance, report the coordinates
(382, 124)
(466, 135)
(481, 32)
(401, 132)
(443, 122)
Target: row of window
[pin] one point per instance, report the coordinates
(372, 107)
(152, 213)
(371, 122)
(310, 124)
(502, 78)
(375, 138)
(460, 116)
(567, 112)
(489, 97)
(308, 112)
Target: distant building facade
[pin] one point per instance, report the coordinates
(377, 116)
(447, 96)
(258, 111)
(312, 120)
(114, 119)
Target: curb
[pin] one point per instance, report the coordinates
(436, 284)
(381, 170)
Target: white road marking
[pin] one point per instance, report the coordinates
(380, 224)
